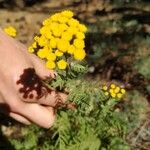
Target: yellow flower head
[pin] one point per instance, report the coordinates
(62, 64)
(51, 56)
(57, 32)
(60, 35)
(53, 26)
(123, 91)
(11, 31)
(117, 89)
(73, 30)
(63, 27)
(62, 45)
(80, 35)
(67, 36)
(119, 95)
(42, 41)
(67, 13)
(58, 53)
(71, 49)
(113, 95)
(63, 19)
(73, 22)
(45, 31)
(112, 86)
(55, 17)
(42, 53)
(114, 91)
(79, 43)
(30, 49)
(79, 54)
(46, 22)
(82, 28)
(53, 43)
(50, 64)
(111, 91)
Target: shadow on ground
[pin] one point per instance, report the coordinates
(5, 121)
(4, 143)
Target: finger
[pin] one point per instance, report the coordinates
(5, 109)
(49, 99)
(53, 99)
(31, 111)
(40, 68)
(39, 115)
(36, 91)
(49, 108)
(19, 118)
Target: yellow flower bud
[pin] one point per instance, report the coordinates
(46, 22)
(34, 45)
(105, 88)
(106, 93)
(36, 38)
(62, 64)
(112, 86)
(123, 91)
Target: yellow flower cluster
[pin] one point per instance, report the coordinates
(114, 91)
(61, 35)
(11, 31)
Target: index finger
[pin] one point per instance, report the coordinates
(31, 88)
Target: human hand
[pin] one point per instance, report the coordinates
(22, 92)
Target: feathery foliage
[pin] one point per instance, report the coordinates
(95, 122)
